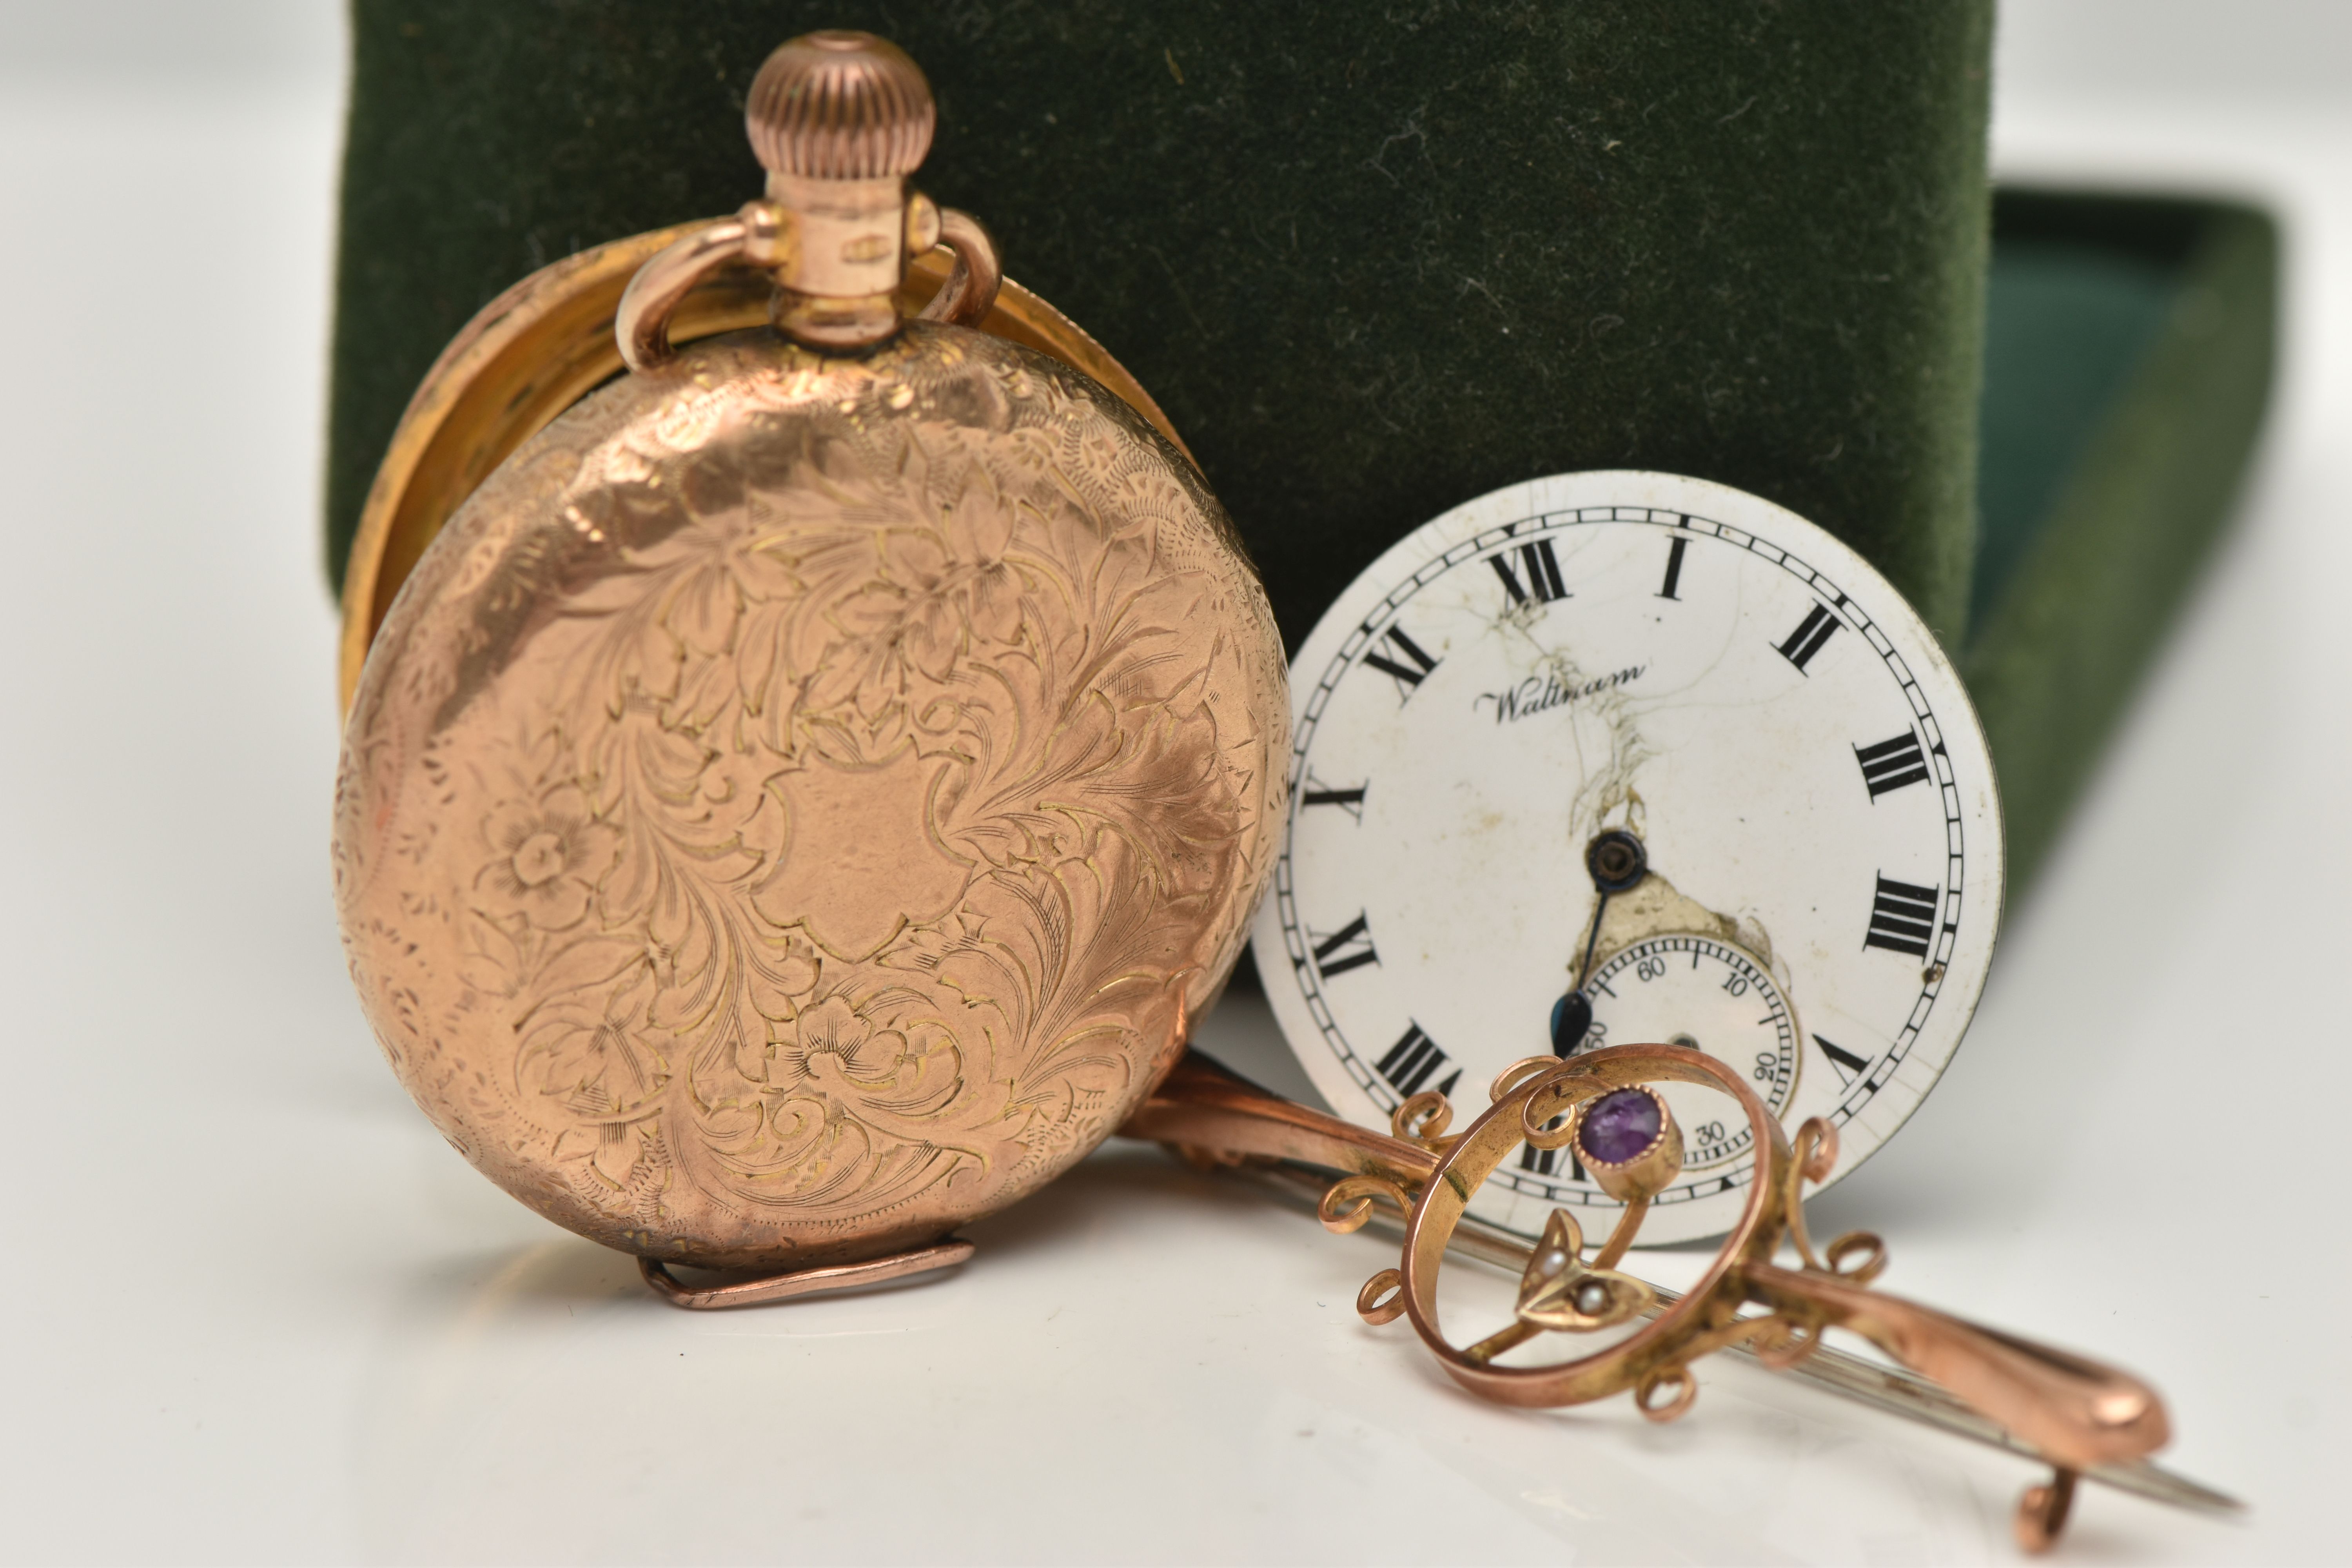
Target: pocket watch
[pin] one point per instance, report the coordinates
(800, 799)
(1624, 757)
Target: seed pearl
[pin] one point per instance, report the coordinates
(1593, 1298)
(1552, 1262)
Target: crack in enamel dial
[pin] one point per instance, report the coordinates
(1643, 654)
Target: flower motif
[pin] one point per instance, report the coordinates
(930, 628)
(547, 856)
(941, 592)
(992, 602)
(988, 592)
(881, 1065)
(833, 1040)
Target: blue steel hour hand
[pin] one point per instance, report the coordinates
(1617, 862)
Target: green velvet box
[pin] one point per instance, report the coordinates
(1375, 261)
(2128, 351)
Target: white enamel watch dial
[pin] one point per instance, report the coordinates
(1718, 695)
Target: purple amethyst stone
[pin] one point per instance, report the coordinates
(1619, 1127)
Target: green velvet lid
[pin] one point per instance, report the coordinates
(2130, 348)
(1373, 260)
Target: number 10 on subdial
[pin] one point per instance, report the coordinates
(1683, 667)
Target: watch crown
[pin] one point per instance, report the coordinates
(840, 105)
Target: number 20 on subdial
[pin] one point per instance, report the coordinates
(1678, 663)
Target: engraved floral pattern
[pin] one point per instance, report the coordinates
(546, 858)
(864, 801)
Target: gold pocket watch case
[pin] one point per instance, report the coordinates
(798, 800)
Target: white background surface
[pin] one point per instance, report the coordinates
(254, 1310)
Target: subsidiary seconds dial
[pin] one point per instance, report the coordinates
(1706, 995)
(1804, 859)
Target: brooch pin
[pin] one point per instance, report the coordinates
(2081, 1418)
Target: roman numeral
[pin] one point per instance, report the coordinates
(1350, 947)
(1674, 567)
(1403, 659)
(1542, 568)
(1413, 1060)
(1902, 917)
(1891, 764)
(1315, 791)
(1818, 626)
(1849, 1065)
(1546, 1162)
